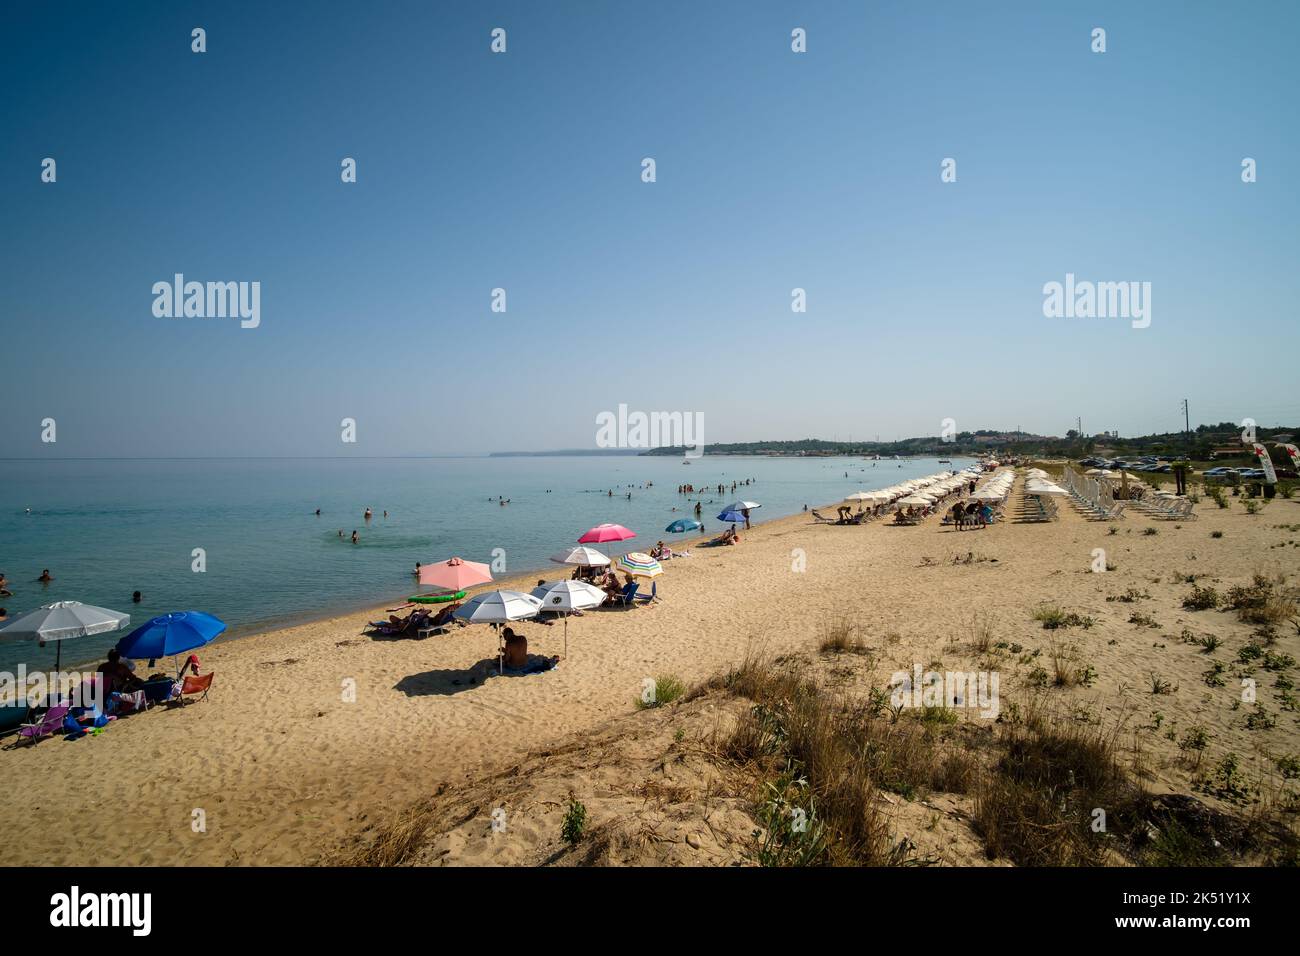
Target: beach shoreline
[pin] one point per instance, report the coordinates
(315, 732)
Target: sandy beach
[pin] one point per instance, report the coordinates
(280, 766)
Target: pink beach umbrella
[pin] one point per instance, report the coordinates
(606, 532)
(455, 574)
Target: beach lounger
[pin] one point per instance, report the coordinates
(429, 630)
(194, 685)
(51, 721)
(819, 518)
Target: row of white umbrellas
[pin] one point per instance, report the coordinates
(996, 487)
(917, 491)
(1039, 484)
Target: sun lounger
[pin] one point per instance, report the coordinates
(820, 518)
(51, 721)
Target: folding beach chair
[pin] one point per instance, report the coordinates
(194, 685)
(51, 721)
(628, 595)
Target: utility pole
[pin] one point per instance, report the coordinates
(1187, 425)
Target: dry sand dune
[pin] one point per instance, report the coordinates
(283, 768)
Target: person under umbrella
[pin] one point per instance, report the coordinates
(497, 608)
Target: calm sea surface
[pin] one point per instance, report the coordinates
(108, 528)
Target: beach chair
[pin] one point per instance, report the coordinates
(51, 721)
(430, 629)
(819, 518)
(627, 596)
(158, 691)
(648, 598)
(191, 686)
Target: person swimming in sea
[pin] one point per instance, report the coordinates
(368, 515)
(135, 597)
(45, 577)
(355, 539)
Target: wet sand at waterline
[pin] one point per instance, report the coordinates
(284, 770)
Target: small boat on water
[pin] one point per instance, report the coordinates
(945, 461)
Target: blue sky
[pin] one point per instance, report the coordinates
(775, 170)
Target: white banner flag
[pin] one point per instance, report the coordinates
(1266, 463)
(1292, 453)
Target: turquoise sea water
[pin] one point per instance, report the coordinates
(106, 528)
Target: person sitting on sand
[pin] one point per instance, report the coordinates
(608, 582)
(117, 676)
(516, 649)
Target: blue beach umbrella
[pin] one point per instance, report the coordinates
(731, 516)
(683, 524)
(169, 635)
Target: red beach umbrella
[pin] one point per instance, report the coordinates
(455, 574)
(606, 532)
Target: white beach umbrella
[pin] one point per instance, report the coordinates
(498, 607)
(566, 597)
(914, 501)
(587, 557)
(742, 506)
(63, 621)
